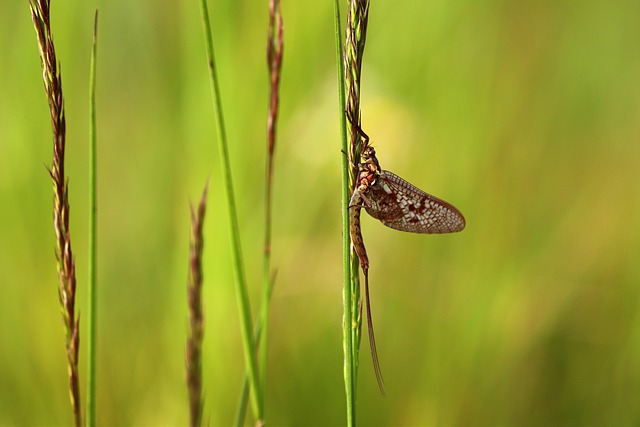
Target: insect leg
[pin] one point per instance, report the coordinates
(358, 129)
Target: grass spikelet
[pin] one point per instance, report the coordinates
(275, 45)
(356, 35)
(196, 313)
(64, 254)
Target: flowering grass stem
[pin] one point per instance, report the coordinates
(196, 313)
(274, 63)
(64, 255)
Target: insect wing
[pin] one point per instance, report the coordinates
(402, 206)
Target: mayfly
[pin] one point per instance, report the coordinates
(399, 205)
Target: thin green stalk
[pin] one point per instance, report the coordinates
(350, 373)
(244, 394)
(91, 307)
(241, 289)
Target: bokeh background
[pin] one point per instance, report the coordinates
(525, 115)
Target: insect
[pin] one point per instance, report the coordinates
(399, 205)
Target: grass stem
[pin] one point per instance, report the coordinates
(241, 289)
(350, 372)
(356, 32)
(196, 312)
(274, 64)
(244, 394)
(91, 306)
(40, 14)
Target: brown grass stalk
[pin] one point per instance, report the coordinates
(64, 255)
(196, 313)
(275, 43)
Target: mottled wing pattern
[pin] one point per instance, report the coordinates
(402, 206)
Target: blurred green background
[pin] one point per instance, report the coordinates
(525, 115)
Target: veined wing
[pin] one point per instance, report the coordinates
(400, 205)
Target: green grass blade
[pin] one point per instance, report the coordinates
(241, 289)
(91, 307)
(259, 330)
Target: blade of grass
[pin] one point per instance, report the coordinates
(64, 255)
(91, 307)
(241, 289)
(274, 65)
(244, 394)
(350, 371)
